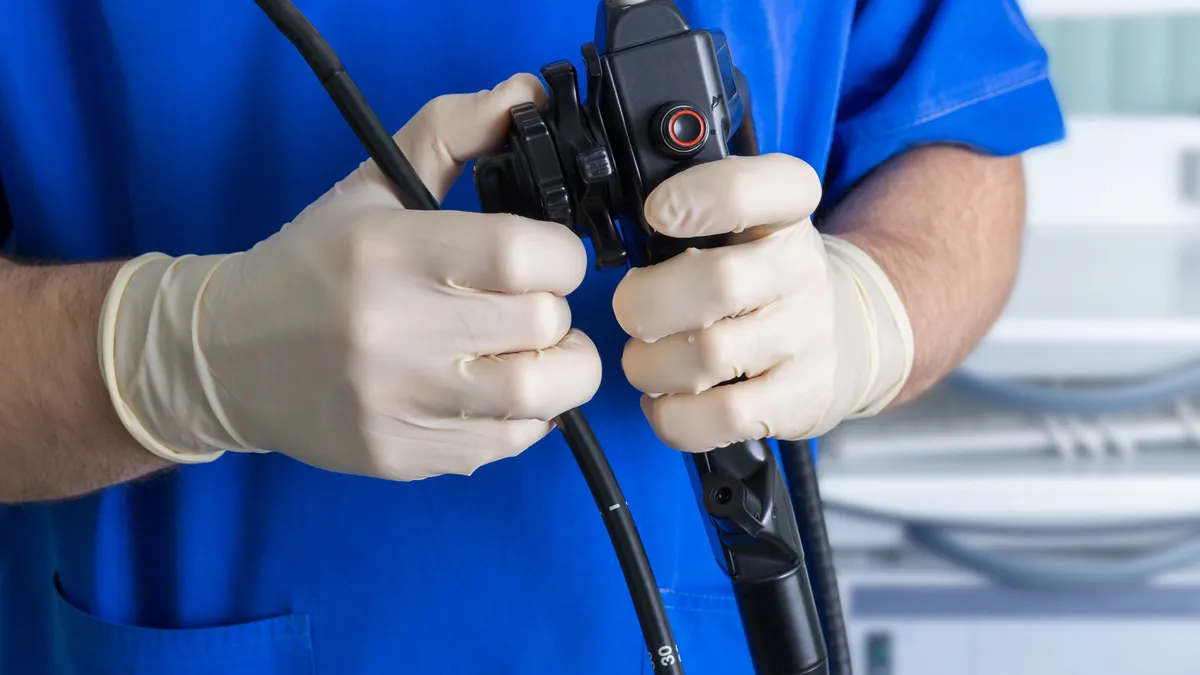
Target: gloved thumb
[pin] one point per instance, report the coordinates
(755, 195)
(452, 130)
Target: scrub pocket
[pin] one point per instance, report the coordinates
(88, 645)
(708, 632)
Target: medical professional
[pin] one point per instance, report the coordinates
(230, 445)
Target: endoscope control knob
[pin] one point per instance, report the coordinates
(530, 132)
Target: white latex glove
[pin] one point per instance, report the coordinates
(810, 320)
(362, 338)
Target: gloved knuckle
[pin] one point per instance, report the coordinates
(578, 258)
(738, 413)
(630, 359)
(590, 384)
(522, 386)
(585, 365)
(512, 439)
(510, 248)
(625, 305)
(659, 421)
(673, 439)
(716, 352)
(676, 435)
(668, 417)
(550, 318)
(727, 279)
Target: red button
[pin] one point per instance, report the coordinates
(687, 128)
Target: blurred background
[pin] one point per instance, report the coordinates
(1040, 513)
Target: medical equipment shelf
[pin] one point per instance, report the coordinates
(1067, 8)
(948, 457)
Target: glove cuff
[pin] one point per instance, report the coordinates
(889, 332)
(155, 372)
(109, 320)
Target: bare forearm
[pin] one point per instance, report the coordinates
(59, 435)
(945, 224)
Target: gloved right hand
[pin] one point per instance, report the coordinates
(362, 338)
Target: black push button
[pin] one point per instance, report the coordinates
(680, 130)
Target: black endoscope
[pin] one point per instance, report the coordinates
(661, 97)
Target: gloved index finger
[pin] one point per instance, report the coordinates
(734, 195)
(452, 130)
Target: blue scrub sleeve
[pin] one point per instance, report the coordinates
(963, 72)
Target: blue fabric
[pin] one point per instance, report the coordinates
(192, 127)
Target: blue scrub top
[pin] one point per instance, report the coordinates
(129, 126)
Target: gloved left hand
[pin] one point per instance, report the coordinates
(810, 321)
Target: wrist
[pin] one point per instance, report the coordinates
(870, 310)
(150, 361)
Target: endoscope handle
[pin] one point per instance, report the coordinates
(748, 512)
(752, 527)
(779, 617)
